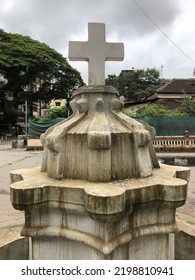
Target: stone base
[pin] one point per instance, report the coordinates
(75, 219)
(154, 247)
(34, 144)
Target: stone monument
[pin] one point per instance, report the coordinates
(100, 192)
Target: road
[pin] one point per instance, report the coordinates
(12, 220)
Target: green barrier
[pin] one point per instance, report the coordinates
(164, 126)
(170, 126)
(35, 129)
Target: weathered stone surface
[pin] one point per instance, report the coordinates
(103, 217)
(34, 144)
(15, 250)
(100, 192)
(96, 51)
(98, 143)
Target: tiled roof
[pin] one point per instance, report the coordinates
(178, 86)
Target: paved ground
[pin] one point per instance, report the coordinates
(12, 220)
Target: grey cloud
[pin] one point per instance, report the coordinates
(57, 22)
(53, 21)
(131, 21)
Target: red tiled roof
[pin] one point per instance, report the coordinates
(178, 86)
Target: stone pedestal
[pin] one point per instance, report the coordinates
(100, 192)
(123, 219)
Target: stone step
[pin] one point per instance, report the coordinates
(34, 144)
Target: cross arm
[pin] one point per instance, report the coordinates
(77, 51)
(114, 52)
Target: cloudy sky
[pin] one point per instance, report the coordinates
(155, 33)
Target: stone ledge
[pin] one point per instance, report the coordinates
(34, 144)
(98, 216)
(186, 224)
(115, 196)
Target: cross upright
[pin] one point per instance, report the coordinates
(96, 51)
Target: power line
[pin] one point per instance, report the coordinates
(162, 31)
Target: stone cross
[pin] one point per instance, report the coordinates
(96, 51)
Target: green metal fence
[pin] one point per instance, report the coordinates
(170, 126)
(164, 126)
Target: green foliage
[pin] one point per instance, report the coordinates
(112, 77)
(156, 110)
(128, 113)
(26, 63)
(53, 113)
(137, 84)
(12, 115)
(188, 106)
(190, 222)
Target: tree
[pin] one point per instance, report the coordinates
(137, 84)
(32, 71)
(155, 110)
(188, 105)
(53, 113)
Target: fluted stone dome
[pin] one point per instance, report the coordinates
(98, 142)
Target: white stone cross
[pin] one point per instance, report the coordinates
(96, 51)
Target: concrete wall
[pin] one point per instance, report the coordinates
(19, 249)
(16, 250)
(184, 246)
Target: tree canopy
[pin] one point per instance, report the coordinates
(188, 105)
(33, 71)
(154, 110)
(186, 108)
(136, 84)
(52, 113)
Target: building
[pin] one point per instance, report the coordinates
(24, 108)
(57, 103)
(171, 94)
